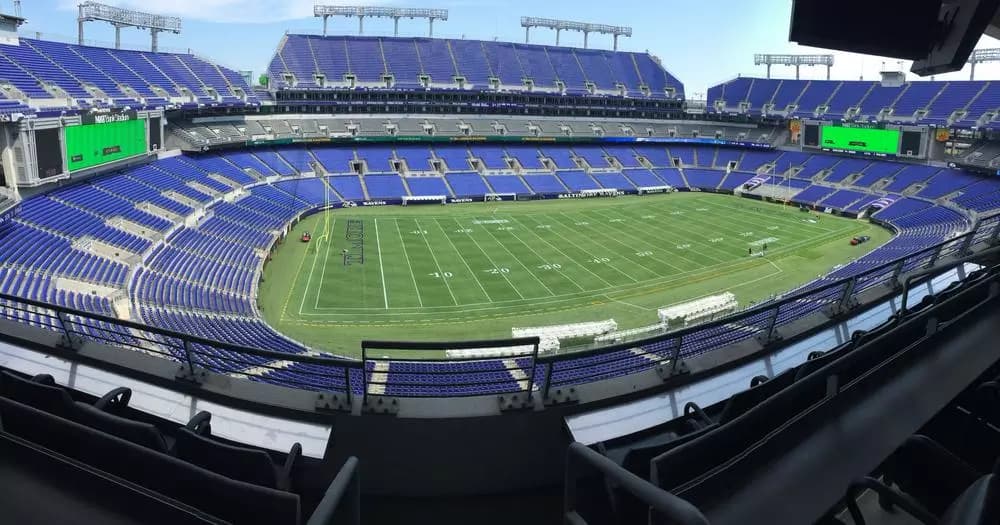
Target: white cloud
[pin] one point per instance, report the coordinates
(241, 11)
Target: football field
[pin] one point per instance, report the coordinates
(474, 271)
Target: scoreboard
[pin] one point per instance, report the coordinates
(876, 140)
(865, 140)
(105, 138)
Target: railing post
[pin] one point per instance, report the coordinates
(531, 376)
(934, 257)
(548, 379)
(966, 247)
(896, 272)
(846, 297)
(68, 340)
(364, 376)
(676, 358)
(995, 236)
(349, 387)
(188, 373)
(769, 335)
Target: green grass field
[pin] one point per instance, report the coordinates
(474, 271)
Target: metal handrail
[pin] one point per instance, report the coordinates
(347, 479)
(923, 262)
(663, 504)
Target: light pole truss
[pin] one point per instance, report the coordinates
(979, 56)
(118, 17)
(395, 13)
(795, 61)
(528, 22)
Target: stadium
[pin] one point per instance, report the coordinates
(454, 280)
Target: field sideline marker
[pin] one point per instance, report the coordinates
(467, 267)
(490, 259)
(408, 265)
(436, 263)
(305, 293)
(381, 268)
(518, 259)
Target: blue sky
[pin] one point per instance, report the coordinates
(703, 43)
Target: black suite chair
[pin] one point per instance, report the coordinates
(938, 475)
(42, 393)
(196, 445)
(138, 432)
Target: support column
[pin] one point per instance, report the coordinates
(995, 236)
(586, 35)
(527, 35)
(118, 36)
(155, 45)
(616, 43)
(558, 32)
(79, 30)
(797, 71)
(326, 19)
(395, 26)
(430, 32)
(768, 71)
(828, 68)
(361, 25)
(972, 72)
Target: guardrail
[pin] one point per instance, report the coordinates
(348, 479)
(543, 373)
(663, 505)
(458, 376)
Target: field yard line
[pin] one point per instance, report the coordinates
(740, 285)
(628, 249)
(658, 282)
(381, 267)
(326, 262)
(408, 265)
(619, 301)
(591, 254)
(804, 224)
(532, 250)
(434, 257)
(658, 248)
(568, 258)
(305, 293)
(490, 259)
(613, 267)
(291, 289)
(518, 259)
(481, 287)
(789, 222)
(699, 225)
(703, 254)
(749, 217)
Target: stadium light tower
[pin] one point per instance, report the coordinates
(982, 55)
(395, 13)
(527, 22)
(118, 17)
(794, 60)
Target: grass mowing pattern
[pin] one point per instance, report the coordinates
(473, 271)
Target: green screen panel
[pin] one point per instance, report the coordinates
(92, 145)
(868, 140)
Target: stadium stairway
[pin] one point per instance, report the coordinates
(364, 189)
(680, 171)
(406, 185)
(451, 191)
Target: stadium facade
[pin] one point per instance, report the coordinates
(142, 194)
